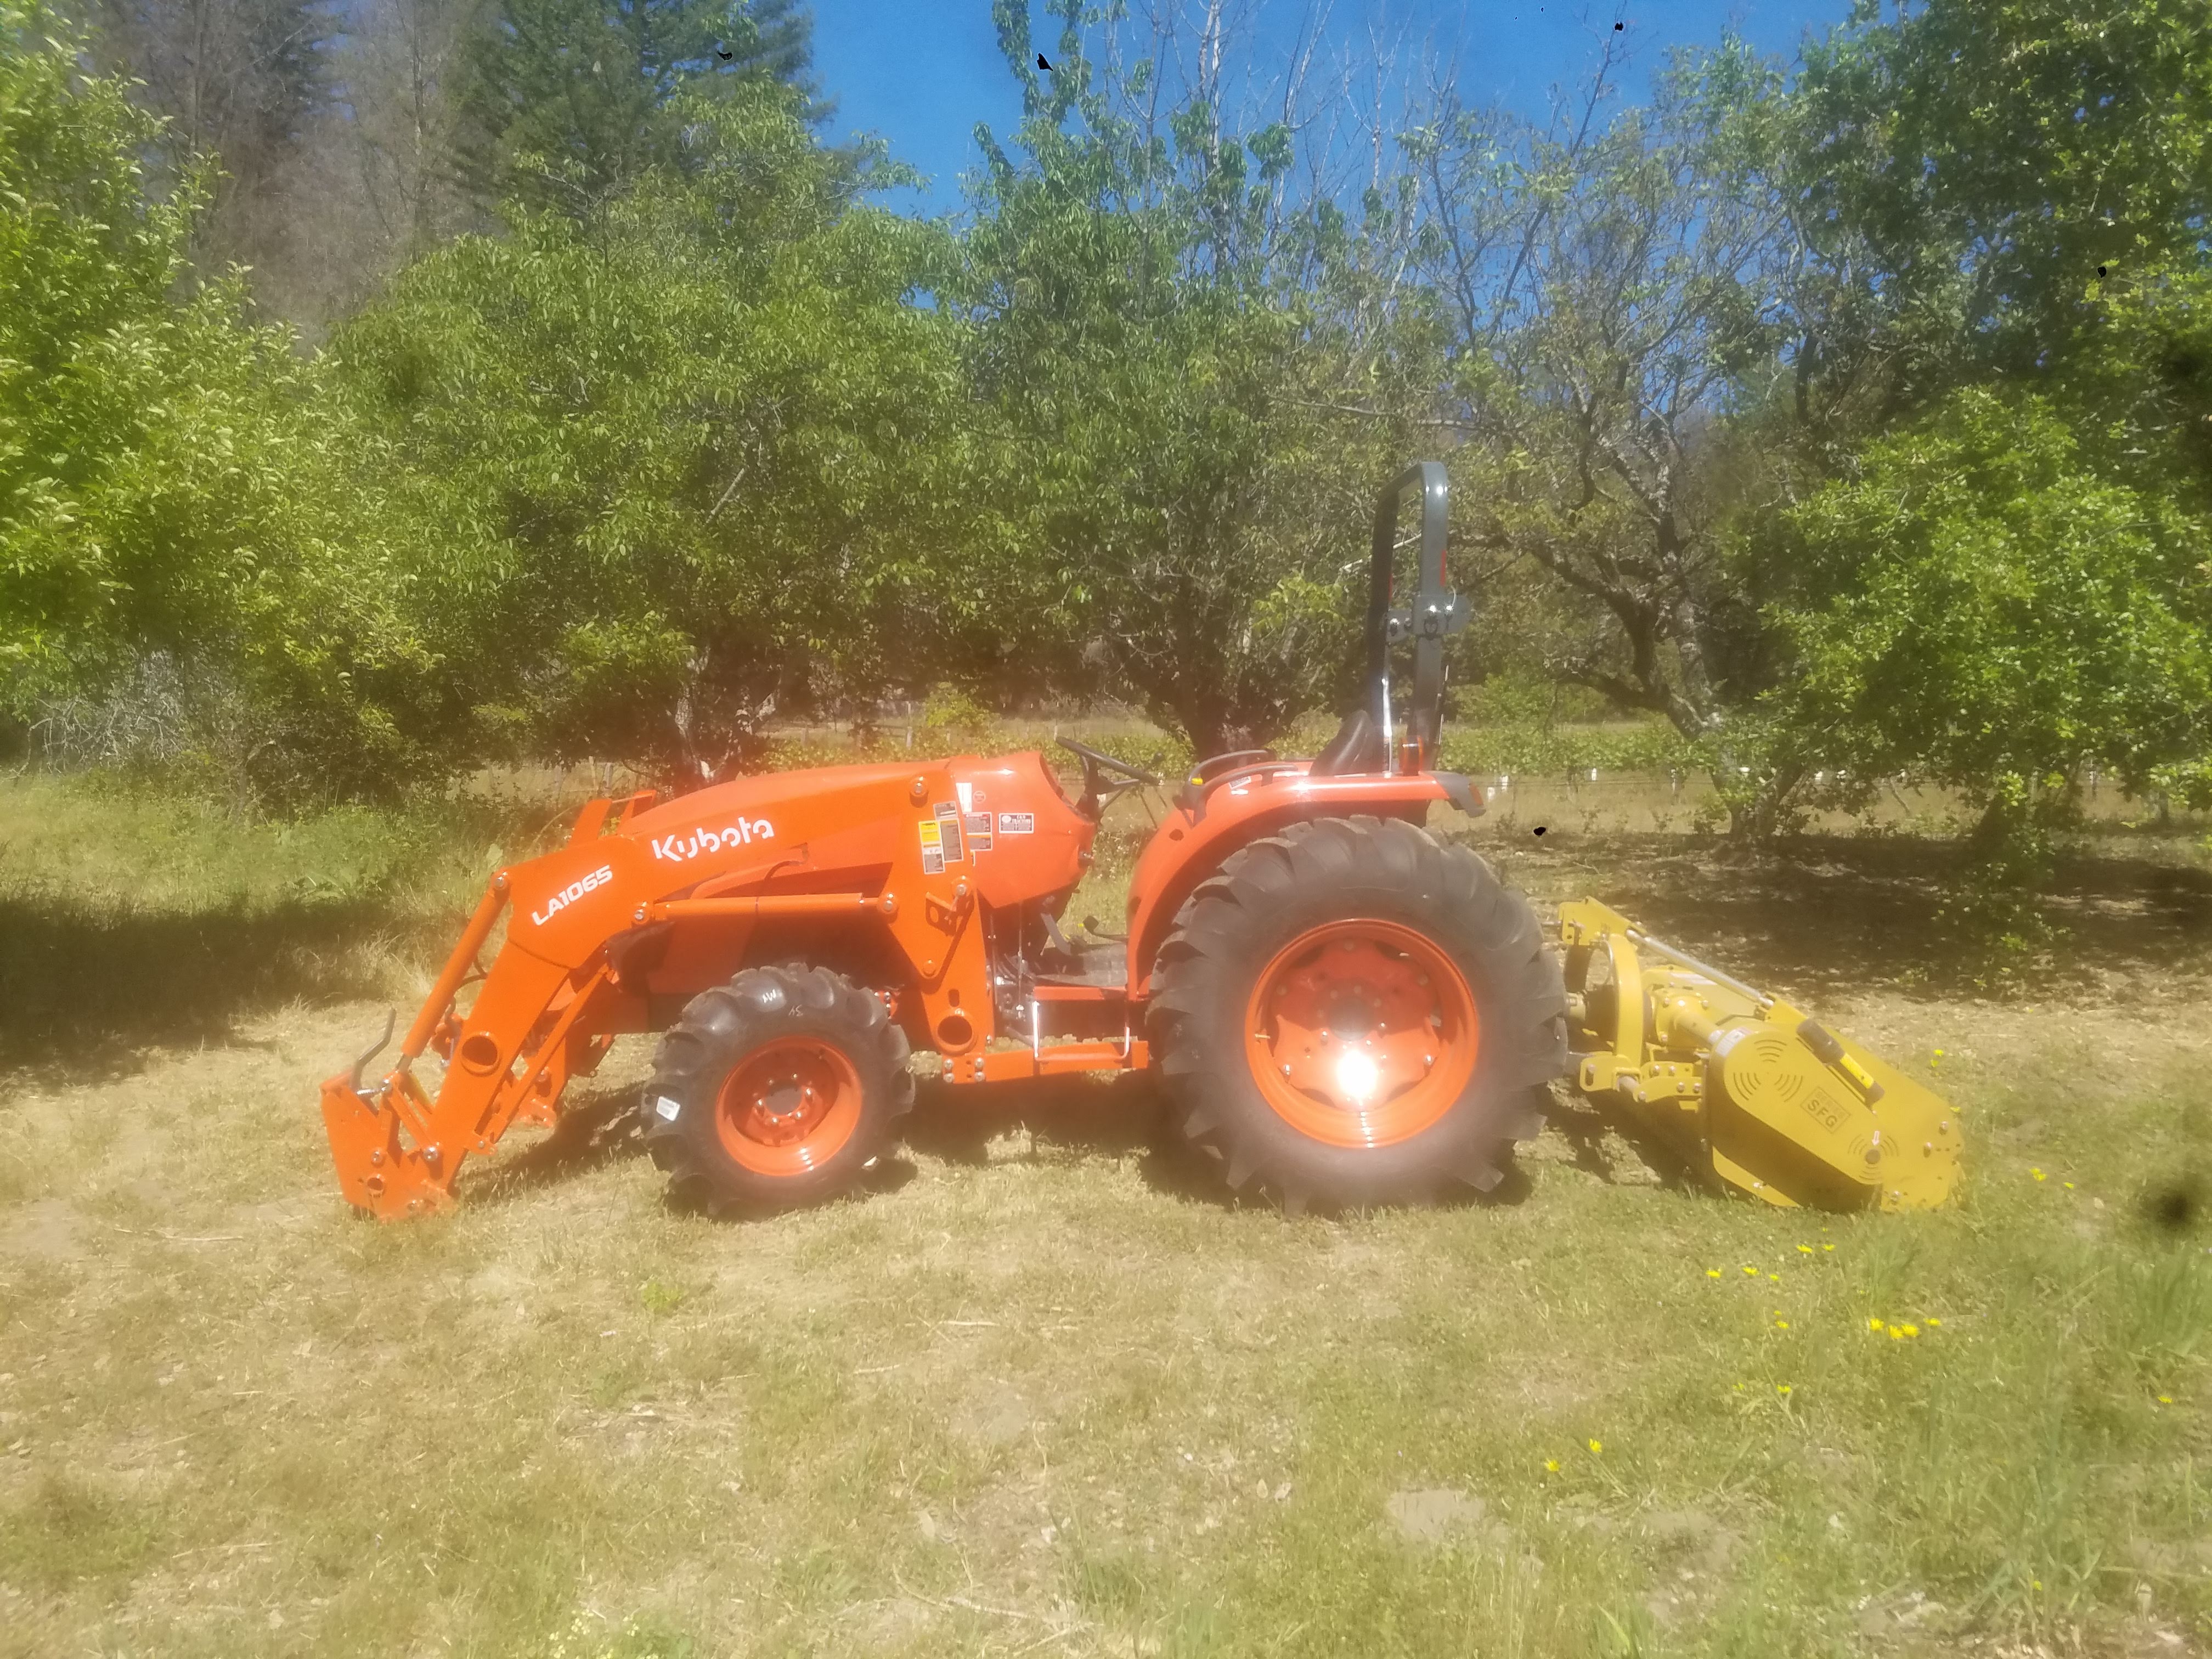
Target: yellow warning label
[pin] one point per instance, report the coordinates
(932, 847)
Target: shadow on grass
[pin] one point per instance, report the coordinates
(85, 989)
(598, 1125)
(1818, 913)
(1107, 1117)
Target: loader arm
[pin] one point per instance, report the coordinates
(643, 907)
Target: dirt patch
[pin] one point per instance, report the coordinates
(1436, 1515)
(993, 1414)
(48, 1229)
(1693, 1539)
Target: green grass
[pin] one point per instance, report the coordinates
(1041, 1391)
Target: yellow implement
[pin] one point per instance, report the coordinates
(1747, 1090)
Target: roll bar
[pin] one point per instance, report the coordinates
(1435, 614)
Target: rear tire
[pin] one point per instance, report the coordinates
(775, 1091)
(1349, 1013)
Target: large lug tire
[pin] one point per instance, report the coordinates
(774, 1091)
(1349, 1013)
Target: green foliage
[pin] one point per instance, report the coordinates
(1981, 605)
(171, 479)
(695, 458)
(561, 103)
(1159, 382)
(1988, 167)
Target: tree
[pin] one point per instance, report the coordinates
(1978, 606)
(1609, 285)
(173, 483)
(400, 64)
(695, 457)
(1981, 170)
(1147, 338)
(562, 102)
(246, 84)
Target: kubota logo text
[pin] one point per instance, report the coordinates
(574, 890)
(681, 846)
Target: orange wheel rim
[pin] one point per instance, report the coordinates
(1361, 1033)
(788, 1107)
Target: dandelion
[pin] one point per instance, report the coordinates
(2037, 1173)
(1782, 1388)
(1827, 1247)
(1935, 1324)
(1804, 1250)
(2165, 1399)
(2067, 1185)
(1896, 1335)
(1781, 1324)
(1712, 1272)
(1874, 1324)
(1751, 1273)
(1596, 1446)
(1777, 1278)
(1910, 1330)
(1551, 1466)
(2035, 1583)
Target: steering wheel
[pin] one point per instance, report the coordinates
(1105, 777)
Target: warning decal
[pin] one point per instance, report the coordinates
(948, 829)
(979, 831)
(1016, 823)
(933, 848)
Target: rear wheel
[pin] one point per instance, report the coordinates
(774, 1091)
(1351, 1012)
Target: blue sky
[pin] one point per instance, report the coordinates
(923, 74)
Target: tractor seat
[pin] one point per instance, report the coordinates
(1357, 747)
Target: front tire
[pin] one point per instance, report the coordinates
(1351, 1012)
(775, 1091)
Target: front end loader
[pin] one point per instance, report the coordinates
(1339, 1007)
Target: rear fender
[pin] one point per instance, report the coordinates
(1197, 838)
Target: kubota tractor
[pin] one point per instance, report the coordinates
(1339, 1007)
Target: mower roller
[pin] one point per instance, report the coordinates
(1339, 1007)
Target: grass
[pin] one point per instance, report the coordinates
(1040, 1391)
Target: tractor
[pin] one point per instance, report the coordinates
(1338, 1007)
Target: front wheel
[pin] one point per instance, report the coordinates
(1351, 1012)
(774, 1091)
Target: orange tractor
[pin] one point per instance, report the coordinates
(1338, 1006)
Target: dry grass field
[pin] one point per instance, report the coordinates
(1041, 1391)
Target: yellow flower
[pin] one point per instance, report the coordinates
(1777, 1278)
(1934, 1323)
(2035, 1583)
(1551, 1466)
(1751, 1273)
(1874, 1324)
(1895, 1334)
(1804, 1250)
(1781, 1324)
(1827, 1247)
(2165, 1399)
(2037, 1174)
(2067, 1185)
(1596, 1446)
(1782, 1388)
(1912, 1330)
(1712, 1272)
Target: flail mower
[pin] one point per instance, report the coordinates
(1339, 1007)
